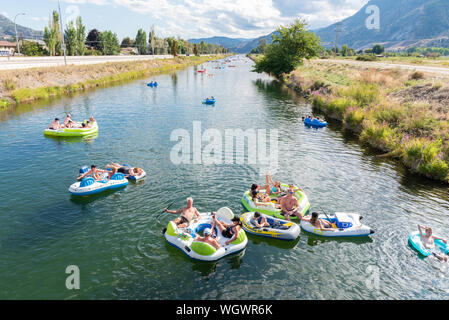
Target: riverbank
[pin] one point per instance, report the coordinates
(402, 113)
(21, 86)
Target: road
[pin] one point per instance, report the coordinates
(39, 62)
(429, 69)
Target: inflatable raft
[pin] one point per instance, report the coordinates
(135, 178)
(89, 186)
(279, 229)
(209, 101)
(415, 241)
(270, 207)
(348, 225)
(315, 123)
(72, 132)
(183, 239)
(152, 84)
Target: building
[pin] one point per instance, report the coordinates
(7, 48)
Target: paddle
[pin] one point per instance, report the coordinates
(168, 207)
(333, 224)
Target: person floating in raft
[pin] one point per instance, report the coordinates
(428, 241)
(261, 199)
(290, 205)
(230, 231)
(259, 220)
(68, 122)
(188, 213)
(55, 125)
(125, 170)
(208, 238)
(321, 224)
(94, 172)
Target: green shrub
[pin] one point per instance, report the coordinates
(393, 114)
(365, 93)
(336, 108)
(379, 136)
(426, 157)
(353, 119)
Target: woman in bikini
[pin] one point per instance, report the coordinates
(230, 231)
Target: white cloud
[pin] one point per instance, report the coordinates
(234, 18)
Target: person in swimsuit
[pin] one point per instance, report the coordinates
(187, 214)
(55, 125)
(428, 241)
(288, 205)
(273, 187)
(230, 231)
(259, 220)
(126, 170)
(94, 172)
(92, 120)
(261, 199)
(68, 122)
(319, 223)
(208, 238)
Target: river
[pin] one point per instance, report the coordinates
(115, 238)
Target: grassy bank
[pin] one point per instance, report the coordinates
(21, 86)
(402, 113)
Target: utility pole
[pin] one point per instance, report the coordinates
(15, 27)
(62, 33)
(337, 31)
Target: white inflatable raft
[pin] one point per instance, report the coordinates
(279, 229)
(183, 239)
(89, 186)
(348, 225)
(135, 178)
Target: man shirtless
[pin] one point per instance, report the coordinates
(55, 125)
(428, 241)
(290, 205)
(208, 238)
(188, 213)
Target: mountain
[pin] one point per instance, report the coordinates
(221, 41)
(403, 24)
(237, 45)
(7, 29)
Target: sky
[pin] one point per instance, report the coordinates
(184, 18)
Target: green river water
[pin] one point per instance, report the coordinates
(115, 238)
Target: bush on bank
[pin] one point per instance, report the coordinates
(408, 131)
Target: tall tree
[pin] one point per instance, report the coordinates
(109, 44)
(202, 47)
(52, 35)
(152, 40)
(174, 48)
(195, 49)
(80, 37)
(70, 39)
(93, 39)
(288, 49)
(141, 41)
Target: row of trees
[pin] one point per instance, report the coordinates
(107, 43)
(152, 44)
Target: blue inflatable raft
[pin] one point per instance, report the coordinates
(209, 101)
(416, 243)
(152, 84)
(315, 123)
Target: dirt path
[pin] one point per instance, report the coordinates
(384, 65)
